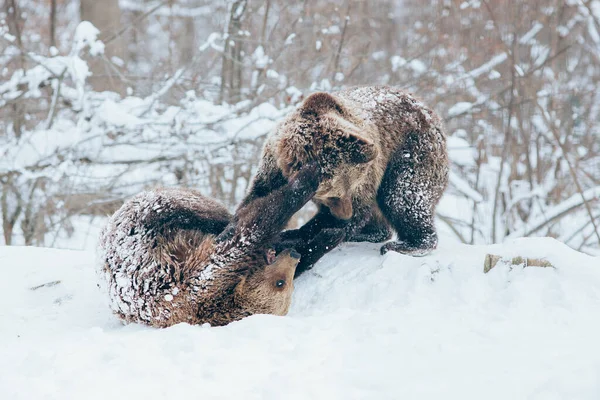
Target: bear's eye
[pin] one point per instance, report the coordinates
(280, 283)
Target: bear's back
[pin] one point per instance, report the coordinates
(145, 244)
(393, 111)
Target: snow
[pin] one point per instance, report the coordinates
(172, 10)
(459, 108)
(464, 187)
(488, 66)
(260, 59)
(576, 200)
(332, 30)
(397, 62)
(417, 66)
(527, 38)
(86, 35)
(361, 326)
(290, 39)
(460, 151)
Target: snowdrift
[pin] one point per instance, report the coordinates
(362, 326)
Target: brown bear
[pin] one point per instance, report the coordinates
(384, 162)
(173, 255)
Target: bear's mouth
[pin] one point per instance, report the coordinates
(341, 207)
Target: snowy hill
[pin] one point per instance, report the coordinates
(361, 326)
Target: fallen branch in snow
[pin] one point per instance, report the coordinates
(47, 284)
(491, 260)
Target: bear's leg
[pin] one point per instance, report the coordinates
(375, 231)
(314, 239)
(312, 251)
(262, 219)
(323, 219)
(407, 197)
(267, 180)
(329, 237)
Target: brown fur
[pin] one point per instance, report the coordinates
(384, 162)
(173, 255)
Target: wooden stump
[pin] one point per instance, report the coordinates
(491, 260)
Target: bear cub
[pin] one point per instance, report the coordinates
(172, 255)
(384, 163)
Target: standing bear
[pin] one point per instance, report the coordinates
(172, 255)
(384, 163)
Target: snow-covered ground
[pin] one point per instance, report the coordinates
(361, 326)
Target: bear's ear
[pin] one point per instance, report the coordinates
(357, 149)
(293, 152)
(321, 102)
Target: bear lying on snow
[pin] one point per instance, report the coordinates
(384, 162)
(373, 159)
(173, 255)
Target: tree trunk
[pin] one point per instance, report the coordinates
(11, 210)
(491, 260)
(53, 23)
(231, 72)
(15, 21)
(106, 16)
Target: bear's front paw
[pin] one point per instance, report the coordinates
(311, 169)
(307, 178)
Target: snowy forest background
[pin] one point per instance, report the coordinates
(182, 92)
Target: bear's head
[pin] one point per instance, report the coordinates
(242, 284)
(243, 275)
(267, 289)
(325, 130)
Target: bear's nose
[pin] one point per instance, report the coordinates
(294, 254)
